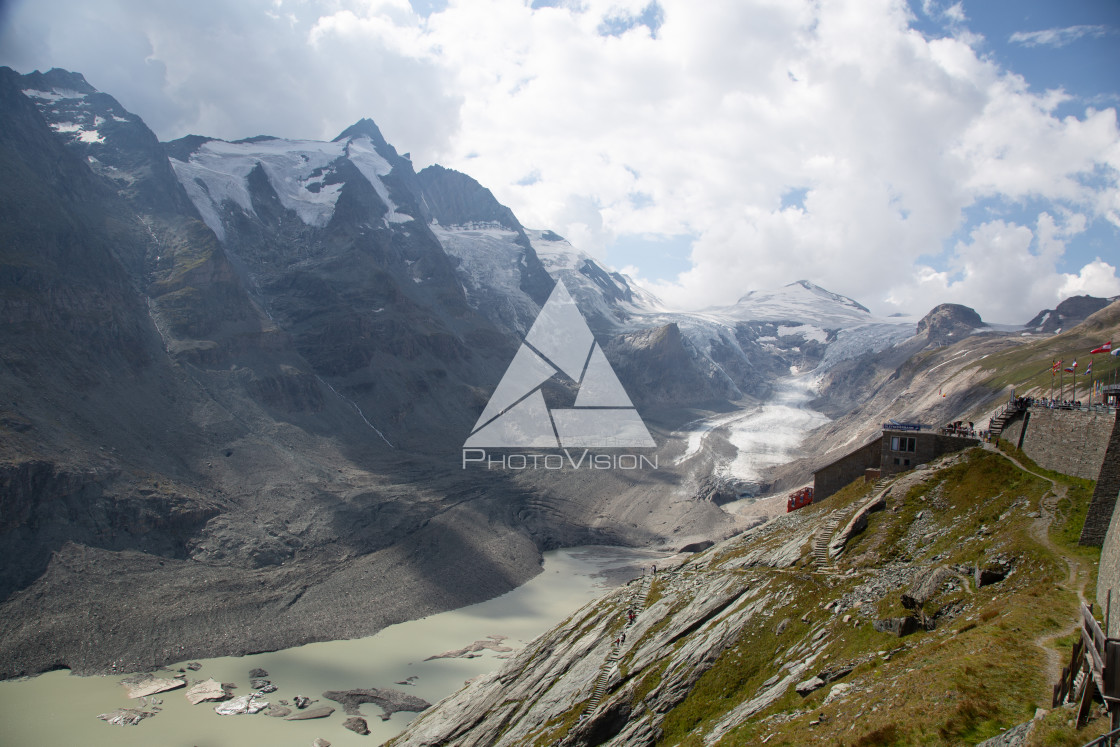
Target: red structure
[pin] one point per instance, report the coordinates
(799, 499)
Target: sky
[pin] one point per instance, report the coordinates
(903, 153)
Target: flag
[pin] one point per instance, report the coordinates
(1071, 369)
(1115, 352)
(1106, 348)
(1088, 369)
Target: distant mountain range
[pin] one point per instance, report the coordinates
(239, 374)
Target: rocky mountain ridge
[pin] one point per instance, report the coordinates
(1070, 312)
(238, 376)
(811, 625)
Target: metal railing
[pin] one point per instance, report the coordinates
(1105, 740)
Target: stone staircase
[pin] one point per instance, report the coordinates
(1002, 418)
(637, 603)
(821, 541)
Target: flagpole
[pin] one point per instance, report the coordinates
(1091, 380)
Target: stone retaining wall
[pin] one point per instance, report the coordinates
(1072, 442)
(1108, 577)
(1101, 513)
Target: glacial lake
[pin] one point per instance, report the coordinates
(58, 708)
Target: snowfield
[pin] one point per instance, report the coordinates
(299, 171)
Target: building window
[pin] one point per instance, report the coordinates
(896, 460)
(902, 443)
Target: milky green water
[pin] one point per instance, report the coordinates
(60, 709)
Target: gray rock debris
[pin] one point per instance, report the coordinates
(390, 701)
(125, 716)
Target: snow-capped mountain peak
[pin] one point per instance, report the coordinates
(364, 128)
(306, 175)
(799, 301)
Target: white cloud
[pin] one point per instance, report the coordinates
(1098, 278)
(1006, 260)
(598, 131)
(233, 70)
(1058, 37)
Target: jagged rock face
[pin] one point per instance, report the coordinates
(1069, 312)
(115, 143)
(250, 388)
(949, 323)
(494, 257)
(333, 239)
(704, 612)
(744, 639)
(662, 367)
(456, 199)
(44, 507)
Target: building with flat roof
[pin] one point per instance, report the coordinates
(900, 447)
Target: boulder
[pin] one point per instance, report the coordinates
(357, 724)
(897, 626)
(258, 673)
(125, 716)
(209, 689)
(320, 742)
(278, 711)
(241, 704)
(194, 666)
(808, 686)
(990, 574)
(925, 586)
(837, 692)
(257, 683)
(836, 671)
(142, 685)
(310, 713)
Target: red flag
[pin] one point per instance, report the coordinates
(1106, 348)
(1071, 369)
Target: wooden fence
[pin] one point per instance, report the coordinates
(1093, 671)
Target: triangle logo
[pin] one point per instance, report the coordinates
(560, 342)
